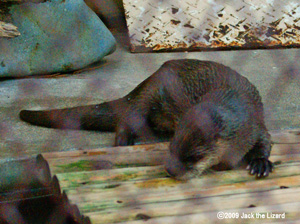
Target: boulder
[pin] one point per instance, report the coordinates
(56, 36)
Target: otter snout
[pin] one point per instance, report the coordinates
(175, 167)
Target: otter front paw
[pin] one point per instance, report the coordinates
(261, 167)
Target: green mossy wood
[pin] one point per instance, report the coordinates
(132, 185)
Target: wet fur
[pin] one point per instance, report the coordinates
(159, 105)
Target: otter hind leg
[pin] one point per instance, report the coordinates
(258, 157)
(124, 136)
(131, 127)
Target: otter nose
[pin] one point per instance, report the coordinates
(175, 168)
(170, 172)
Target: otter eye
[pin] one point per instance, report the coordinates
(153, 108)
(97, 106)
(128, 98)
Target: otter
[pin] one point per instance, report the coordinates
(204, 95)
(219, 132)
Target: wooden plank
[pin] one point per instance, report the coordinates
(109, 150)
(75, 179)
(238, 203)
(286, 138)
(151, 154)
(143, 158)
(291, 211)
(142, 190)
(117, 207)
(116, 195)
(147, 192)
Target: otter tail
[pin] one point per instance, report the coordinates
(100, 117)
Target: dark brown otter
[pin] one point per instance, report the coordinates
(221, 130)
(154, 108)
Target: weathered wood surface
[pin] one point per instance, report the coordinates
(152, 154)
(135, 187)
(8, 30)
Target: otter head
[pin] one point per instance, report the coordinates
(191, 161)
(175, 168)
(193, 147)
(191, 153)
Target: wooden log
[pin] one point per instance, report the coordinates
(113, 196)
(204, 205)
(127, 194)
(154, 188)
(115, 176)
(138, 155)
(88, 163)
(105, 158)
(109, 150)
(170, 201)
(172, 192)
(290, 210)
(22, 174)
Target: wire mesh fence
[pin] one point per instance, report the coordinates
(132, 192)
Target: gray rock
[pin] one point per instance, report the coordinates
(56, 36)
